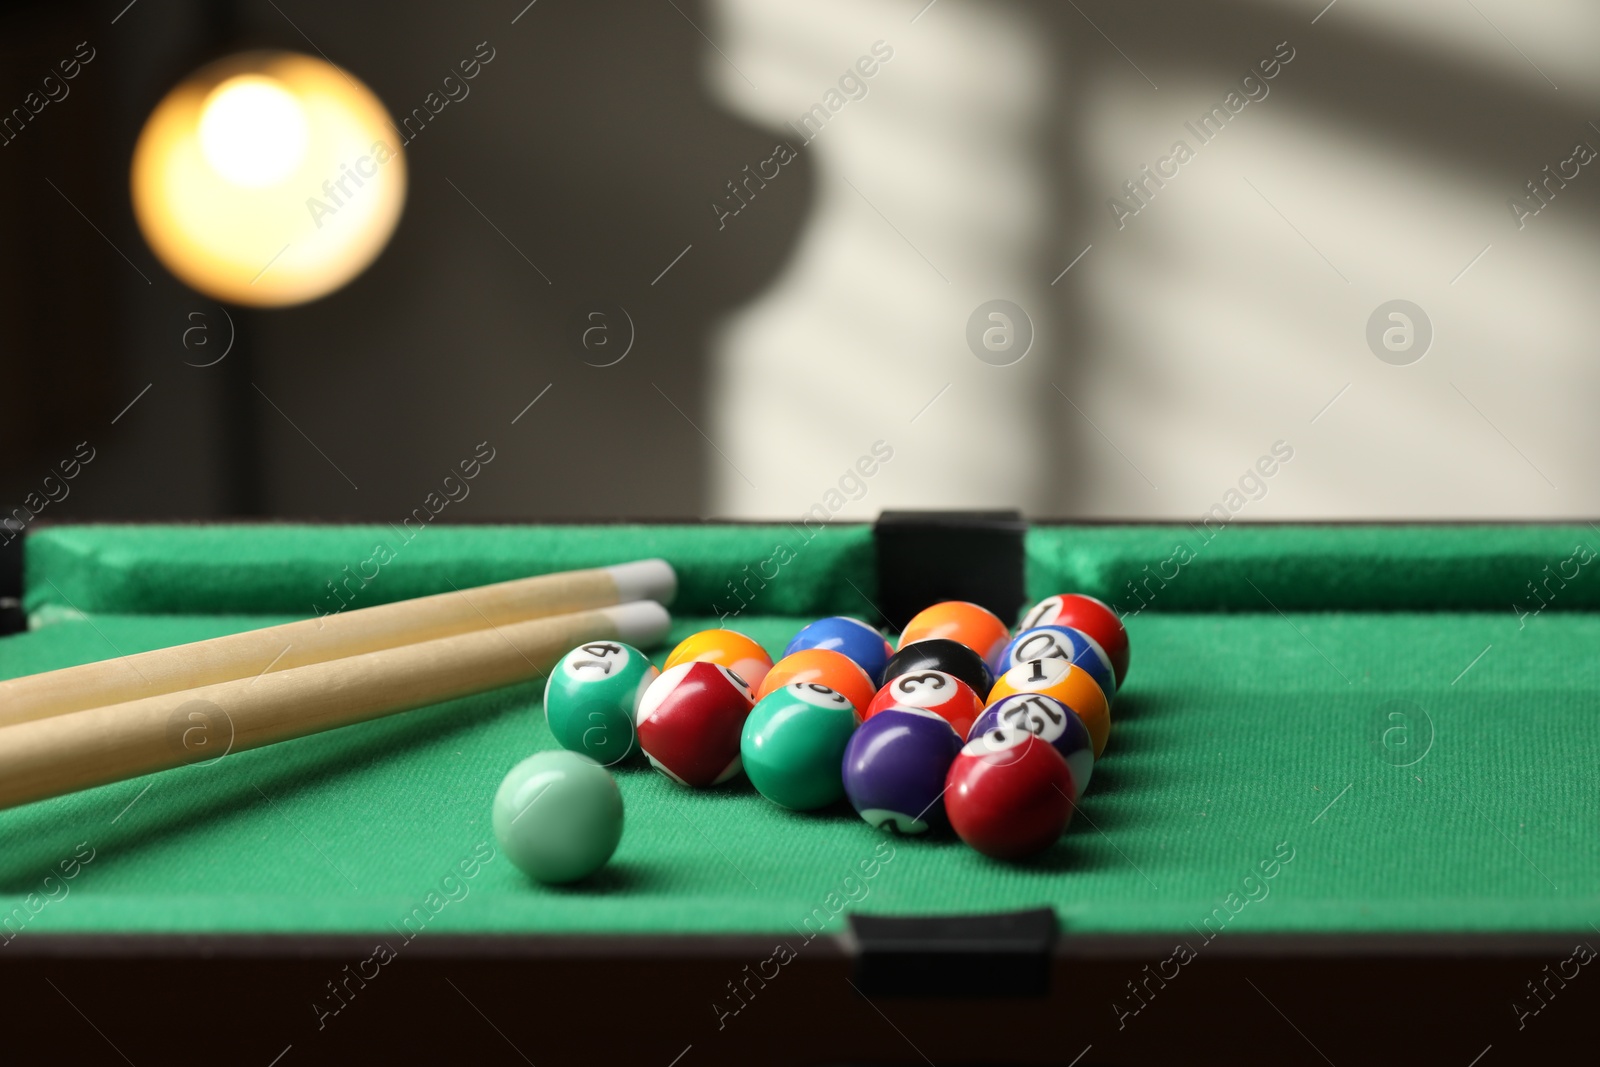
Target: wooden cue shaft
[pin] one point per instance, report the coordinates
(328, 637)
(64, 753)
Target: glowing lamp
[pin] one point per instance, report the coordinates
(268, 178)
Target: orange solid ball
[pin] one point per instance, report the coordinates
(824, 667)
(1068, 683)
(725, 648)
(957, 620)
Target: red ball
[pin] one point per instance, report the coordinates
(1094, 617)
(1011, 797)
(943, 694)
(690, 722)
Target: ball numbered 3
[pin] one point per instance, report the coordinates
(592, 697)
(1069, 684)
(690, 722)
(943, 694)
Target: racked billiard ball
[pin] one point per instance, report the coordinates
(1060, 642)
(943, 694)
(1069, 684)
(1094, 617)
(1011, 798)
(690, 722)
(1045, 717)
(895, 766)
(726, 648)
(793, 745)
(558, 816)
(941, 654)
(825, 667)
(849, 637)
(592, 696)
(958, 620)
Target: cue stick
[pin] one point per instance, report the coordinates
(329, 637)
(64, 753)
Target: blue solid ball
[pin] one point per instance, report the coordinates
(1060, 642)
(851, 638)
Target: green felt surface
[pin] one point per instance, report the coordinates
(1236, 731)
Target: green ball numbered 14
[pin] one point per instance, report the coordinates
(591, 698)
(793, 745)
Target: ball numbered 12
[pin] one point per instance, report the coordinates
(1046, 718)
(592, 696)
(1069, 684)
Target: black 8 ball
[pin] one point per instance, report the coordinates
(940, 654)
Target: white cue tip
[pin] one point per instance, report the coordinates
(647, 579)
(642, 623)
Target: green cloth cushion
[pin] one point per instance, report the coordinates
(1266, 567)
(302, 569)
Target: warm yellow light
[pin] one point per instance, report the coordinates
(268, 178)
(253, 131)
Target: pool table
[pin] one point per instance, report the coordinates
(1348, 813)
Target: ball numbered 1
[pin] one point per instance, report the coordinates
(1069, 684)
(1060, 642)
(691, 720)
(592, 697)
(793, 745)
(943, 694)
(1046, 718)
(1094, 617)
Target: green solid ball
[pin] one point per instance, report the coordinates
(793, 745)
(591, 697)
(558, 816)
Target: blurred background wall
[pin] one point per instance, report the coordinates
(1186, 329)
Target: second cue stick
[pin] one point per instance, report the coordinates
(328, 637)
(65, 753)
